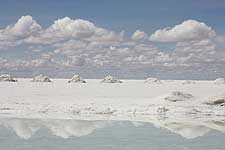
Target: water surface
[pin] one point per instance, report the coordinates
(47, 134)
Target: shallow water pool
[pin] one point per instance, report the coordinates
(47, 134)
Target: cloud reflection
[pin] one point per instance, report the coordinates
(26, 128)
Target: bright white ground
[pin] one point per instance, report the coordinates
(130, 100)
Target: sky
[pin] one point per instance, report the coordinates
(169, 39)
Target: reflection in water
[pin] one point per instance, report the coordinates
(163, 134)
(25, 128)
(188, 131)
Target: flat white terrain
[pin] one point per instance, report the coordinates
(130, 100)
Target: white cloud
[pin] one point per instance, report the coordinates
(68, 44)
(187, 31)
(201, 46)
(139, 35)
(78, 29)
(26, 25)
(220, 40)
(197, 54)
(73, 28)
(13, 35)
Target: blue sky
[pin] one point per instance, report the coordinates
(128, 15)
(128, 38)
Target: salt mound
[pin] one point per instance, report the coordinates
(110, 79)
(41, 78)
(218, 100)
(162, 110)
(76, 79)
(7, 78)
(153, 80)
(219, 81)
(189, 82)
(178, 96)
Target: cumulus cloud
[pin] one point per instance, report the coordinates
(220, 40)
(203, 55)
(201, 46)
(187, 31)
(27, 31)
(139, 35)
(13, 35)
(70, 44)
(78, 29)
(26, 25)
(73, 28)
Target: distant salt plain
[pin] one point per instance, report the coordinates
(130, 100)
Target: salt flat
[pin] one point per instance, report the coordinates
(130, 100)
